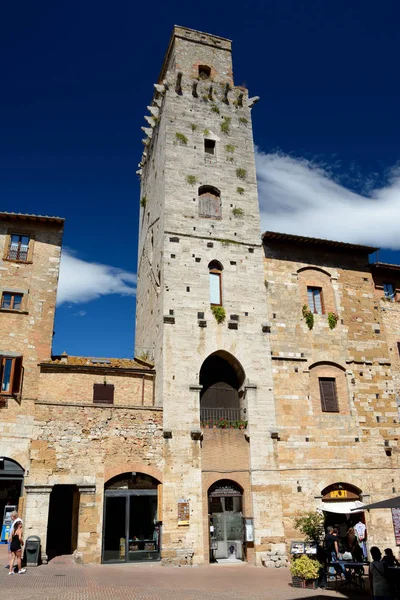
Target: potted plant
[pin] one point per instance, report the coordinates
(304, 572)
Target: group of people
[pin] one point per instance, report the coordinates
(15, 545)
(348, 548)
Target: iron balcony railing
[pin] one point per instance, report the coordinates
(221, 417)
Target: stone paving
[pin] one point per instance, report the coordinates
(61, 579)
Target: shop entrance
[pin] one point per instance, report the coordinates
(131, 530)
(62, 526)
(11, 480)
(342, 509)
(226, 520)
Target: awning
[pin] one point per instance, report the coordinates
(389, 503)
(342, 508)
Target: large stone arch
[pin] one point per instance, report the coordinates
(129, 467)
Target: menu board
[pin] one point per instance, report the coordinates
(396, 524)
(183, 512)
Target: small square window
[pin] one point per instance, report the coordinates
(103, 393)
(11, 301)
(19, 246)
(388, 290)
(209, 147)
(314, 297)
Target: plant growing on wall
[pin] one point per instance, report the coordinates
(219, 313)
(240, 190)
(243, 120)
(237, 212)
(229, 159)
(230, 148)
(215, 109)
(332, 320)
(311, 525)
(225, 125)
(182, 139)
(193, 126)
(143, 201)
(191, 179)
(241, 173)
(206, 132)
(308, 316)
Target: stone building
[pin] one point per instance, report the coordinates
(274, 363)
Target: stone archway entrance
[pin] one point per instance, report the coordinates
(11, 481)
(225, 502)
(131, 529)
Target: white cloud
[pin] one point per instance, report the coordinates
(298, 196)
(81, 281)
(80, 313)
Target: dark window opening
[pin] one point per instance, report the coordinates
(204, 72)
(215, 279)
(10, 375)
(209, 146)
(314, 297)
(11, 301)
(327, 388)
(19, 246)
(103, 393)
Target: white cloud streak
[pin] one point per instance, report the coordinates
(299, 197)
(82, 281)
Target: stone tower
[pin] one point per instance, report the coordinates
(200, 253)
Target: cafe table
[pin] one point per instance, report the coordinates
(353, 574)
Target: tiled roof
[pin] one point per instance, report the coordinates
(99, 362)
(388, 266)
(27, 217)
(300, 239)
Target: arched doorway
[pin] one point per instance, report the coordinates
(131, 529)
(342, 509)
(11, 480)
(225, 507)
(222, 398)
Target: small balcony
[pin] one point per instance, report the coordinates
(222, 418)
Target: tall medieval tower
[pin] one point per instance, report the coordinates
(200, 262)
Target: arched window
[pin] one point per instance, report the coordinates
(209, 202)
(215, 278)
(204, 72)
(328, 388)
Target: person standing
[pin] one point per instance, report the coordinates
(331, 548)
(379, 584)
(14, 520)
(16, 549)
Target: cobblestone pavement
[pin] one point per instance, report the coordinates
(61, 579)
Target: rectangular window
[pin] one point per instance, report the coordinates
(388, 290)
(314, 296)
(398, 347)
(19, 246)
(209, 146)
(327, 389)
(11, 301)
(215, 289)
(103, 393)
(10, 375)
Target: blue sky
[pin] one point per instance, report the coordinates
(76, 80)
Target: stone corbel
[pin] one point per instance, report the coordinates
(87, 489)
(151, 120)
(148, 131)
(37, 489)
(252, 101)
(161, 89)
(157, 102)
(154, 110)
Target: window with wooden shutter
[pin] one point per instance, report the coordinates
(209, 202)
(329, 400)
(10, 375)
(103, 393)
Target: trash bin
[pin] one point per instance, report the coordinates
(32, 551)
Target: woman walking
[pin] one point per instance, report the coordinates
(16, 549)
